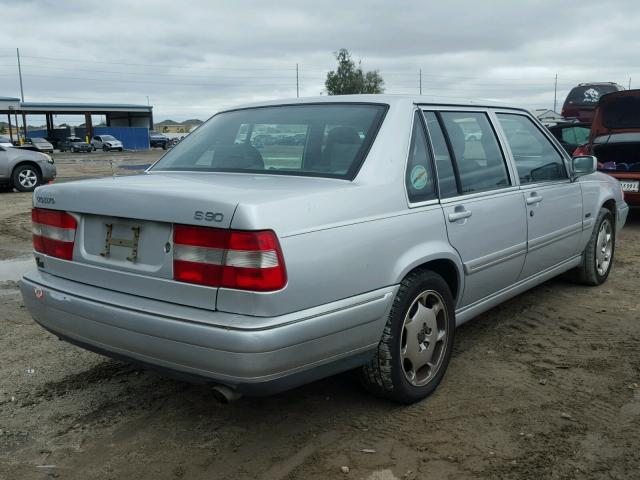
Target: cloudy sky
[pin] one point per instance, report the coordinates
(193, 58)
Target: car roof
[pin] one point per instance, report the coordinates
(382, 99)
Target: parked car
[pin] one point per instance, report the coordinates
(615, 140)
(571, 134)
(39, 144)
(258, 269)
(158, 140)
(106, 143)
(23, 169)
(583, 98)
(74, 144)
(5, 141)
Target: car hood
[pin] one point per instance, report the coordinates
(617, 113)
(22, 153)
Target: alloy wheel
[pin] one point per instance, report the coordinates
(604, 247)
(424, 335)
(28, 178)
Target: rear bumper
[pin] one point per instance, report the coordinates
(255, 355)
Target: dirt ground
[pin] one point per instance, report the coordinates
(546, 386)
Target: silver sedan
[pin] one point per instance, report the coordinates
(286, 241)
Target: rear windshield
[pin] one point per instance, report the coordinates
(323, 140)
(588, 95)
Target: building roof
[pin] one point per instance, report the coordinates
(83, 107)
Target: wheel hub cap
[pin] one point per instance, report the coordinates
(424, 335)
(27, 178)
(604, 248)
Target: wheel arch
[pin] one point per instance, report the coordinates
(445, 264)
(26, 162)
(610, 204)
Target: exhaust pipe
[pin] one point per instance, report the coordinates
(225, 394)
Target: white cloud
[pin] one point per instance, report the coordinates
(194, 58)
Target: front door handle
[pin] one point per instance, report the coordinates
(534, 199)
(459, 214)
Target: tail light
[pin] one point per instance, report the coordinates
(244, 260)
(581, 150)
(54, 232)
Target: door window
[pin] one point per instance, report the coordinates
(478, 157)
(535, 157)
(419, 177)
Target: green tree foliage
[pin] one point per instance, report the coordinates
(350, 79)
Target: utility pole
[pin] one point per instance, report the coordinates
(420, 81)
(629, 83)
(24, 118)
(297, 83)
(555, 94)
(20, 74)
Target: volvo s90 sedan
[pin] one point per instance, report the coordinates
(260, 266)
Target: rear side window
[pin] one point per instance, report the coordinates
(444, 165)
(480, 162)
(588, 95)
(419, 177)
(535, 157)
(325, 140)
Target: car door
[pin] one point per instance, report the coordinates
(484, 210)
(97, 142)
(554, 202)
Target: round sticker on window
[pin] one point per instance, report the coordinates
(419, 177)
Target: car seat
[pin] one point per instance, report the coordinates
(341, 148)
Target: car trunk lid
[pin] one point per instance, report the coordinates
(617, 113)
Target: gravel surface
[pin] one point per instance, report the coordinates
(545, 386)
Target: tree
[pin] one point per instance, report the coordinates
(350, 79)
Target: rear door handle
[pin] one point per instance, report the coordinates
(534, 199)
(459, 215)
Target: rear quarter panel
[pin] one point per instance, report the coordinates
(343, 261)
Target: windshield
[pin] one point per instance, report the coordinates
(108, 137)
(39, 140)
(588, 95)
(325, 140)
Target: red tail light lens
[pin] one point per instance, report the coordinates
(54, 232)
(228, 258)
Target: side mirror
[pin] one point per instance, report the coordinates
(583, 165)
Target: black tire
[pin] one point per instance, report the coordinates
(385, 374)
(105, 148)
(590, 272)
(26, 178)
